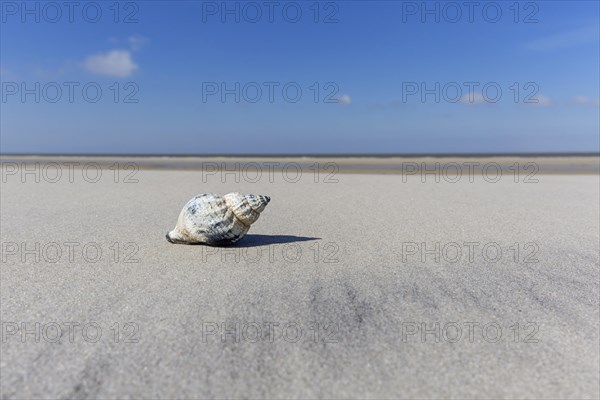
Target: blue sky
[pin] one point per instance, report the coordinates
(361, 68)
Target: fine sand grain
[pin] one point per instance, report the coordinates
(368, 287)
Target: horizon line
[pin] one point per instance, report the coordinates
(311, 155)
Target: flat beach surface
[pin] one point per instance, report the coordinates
(361, 286)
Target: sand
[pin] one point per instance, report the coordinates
(402, 165)
(351, 289)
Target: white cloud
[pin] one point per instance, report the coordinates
(472, 98)
(542, 101)
(114, 63)
(344, 99)
(137, 42)
(583, 100)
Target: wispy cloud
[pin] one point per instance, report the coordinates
(344, 99)
(136, 42)
(51, 71)
(472, 99)
(542, 101)
(117, 63)
(572, 38)
(585, 101)
(6, 73)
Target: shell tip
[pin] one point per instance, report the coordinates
(169, 238)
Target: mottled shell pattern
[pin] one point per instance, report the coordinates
(217, 220)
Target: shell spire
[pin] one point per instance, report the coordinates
(217, 220)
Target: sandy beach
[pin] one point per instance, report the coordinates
(393, 164)
(349, 286)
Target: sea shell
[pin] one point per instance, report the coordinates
(217, 220)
